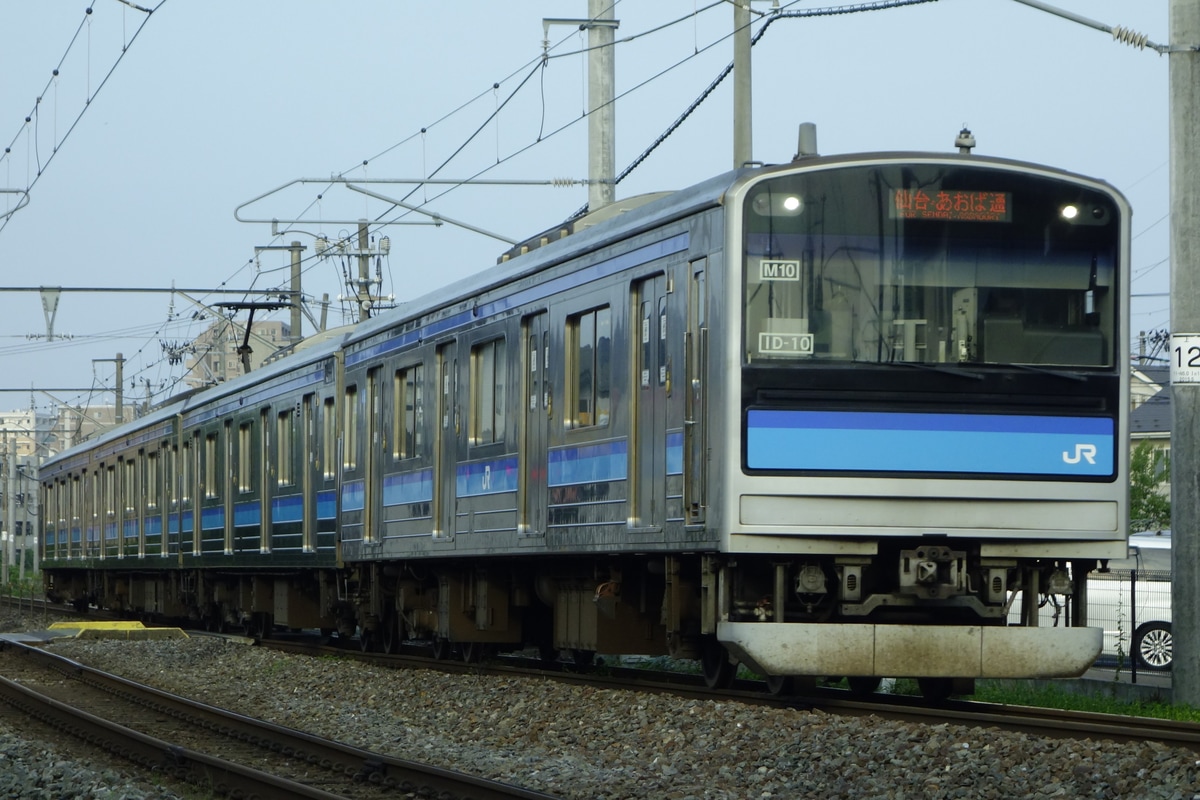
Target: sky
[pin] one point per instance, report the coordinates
(159, 153)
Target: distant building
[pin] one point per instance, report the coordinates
(39, 434)
(32, 429)
(215, 357)
(1150, 394)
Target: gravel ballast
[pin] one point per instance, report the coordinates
(601, 744)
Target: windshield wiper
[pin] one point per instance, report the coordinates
(943, 368)
(1058, 373)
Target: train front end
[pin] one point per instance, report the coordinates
(924, 382)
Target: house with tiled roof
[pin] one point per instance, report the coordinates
(1150, 420)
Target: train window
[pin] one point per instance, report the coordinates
(350, 429)
(930, 264)
(76, 512)
(185, 467)
(211, 454)
(487, 392)
(151, 492)
(127, 484)
(285, 442)
(110, 492)
(172, 469)
(329, 444)
(408, 411)
(590, 369)
(245, 458)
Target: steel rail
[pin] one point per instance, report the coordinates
(362, 765)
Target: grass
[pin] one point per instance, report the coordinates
(1102, 700)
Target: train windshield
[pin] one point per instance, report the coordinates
(930, 263)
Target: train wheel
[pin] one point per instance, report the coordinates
(390, 637)
(583, 658)
(473, 652)
(936, 689)
(547, 654)
(780, 685)
(263, 625)
(366, 639)
(441, 648)
(863, 685)
(714, 662)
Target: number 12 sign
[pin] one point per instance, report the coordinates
(1185, 358)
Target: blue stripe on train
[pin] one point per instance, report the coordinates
(287, 509)
(946, 443)
(327, 504)
(607, 461)
(408, 488)
(487, 477)
(247, 515)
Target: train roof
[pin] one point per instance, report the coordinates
(328, 344)
(627, 217)
(621, 219)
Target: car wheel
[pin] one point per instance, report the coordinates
(1153, 646)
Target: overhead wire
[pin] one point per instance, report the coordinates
(34, 114)
(531, 68)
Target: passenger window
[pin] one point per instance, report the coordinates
(245, 457)
(151, 493)
(211, 468)
(408, 412)
(487, 392)
(590, 370)
(350, 430)
(284, 438)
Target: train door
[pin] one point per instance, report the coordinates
(695, 438)
(535, 437)
(266, 477)
(651, 377)
(310, 466)
(170, 490)
(445, 446)
(373, 457)
(225, 481)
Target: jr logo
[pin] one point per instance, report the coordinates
(1084, 451)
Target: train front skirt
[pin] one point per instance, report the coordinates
(893, 651)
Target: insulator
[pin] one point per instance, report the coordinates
(1130, 37)
(562, 182)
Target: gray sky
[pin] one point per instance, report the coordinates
(219, 102)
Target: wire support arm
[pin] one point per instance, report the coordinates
(1119, 34)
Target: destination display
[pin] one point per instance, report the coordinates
(963, 205)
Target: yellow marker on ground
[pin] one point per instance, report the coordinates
(118, 629)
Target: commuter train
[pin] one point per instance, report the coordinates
(833, 417)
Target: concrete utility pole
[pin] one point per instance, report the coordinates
(26, 501)
(1184, 66)
(602, 158)
(364, 271)
(743, 139)
(119, 414)
(10, 494)
(295, 294)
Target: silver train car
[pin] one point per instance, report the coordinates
(827, 418)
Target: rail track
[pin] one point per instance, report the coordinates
(216, 749)
(1048, 722)
(1032, 720)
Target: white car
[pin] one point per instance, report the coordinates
(1136, 616)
